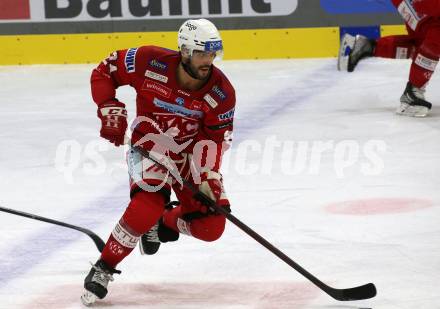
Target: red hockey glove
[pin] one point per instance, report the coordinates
(427, 7)
(211, 185)
(113, 117)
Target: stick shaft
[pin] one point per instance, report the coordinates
(96, 239)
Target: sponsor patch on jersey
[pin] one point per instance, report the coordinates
(157, 88)
(176, 109)
(227, 116)
(197, 105)
(216, 89)
(208, 98)
(130, 60)
(180, 101)
(159, 77)
(158, 64)
(183, 92)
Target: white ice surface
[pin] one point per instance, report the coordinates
(343, 225)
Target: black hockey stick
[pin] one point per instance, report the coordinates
(357, 293)
(96, 239)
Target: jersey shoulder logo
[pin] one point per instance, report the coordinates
(130, 60)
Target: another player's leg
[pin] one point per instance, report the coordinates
(353, 49)
(412, 101)
(395, 47)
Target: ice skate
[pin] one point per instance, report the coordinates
(96, 282)
(353, 49)
(413, 103)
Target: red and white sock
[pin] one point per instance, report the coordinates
(422, 67)
(121, 242)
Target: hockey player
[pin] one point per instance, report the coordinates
(421, 44)
(185, 100)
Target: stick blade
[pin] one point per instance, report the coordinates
(365, 291)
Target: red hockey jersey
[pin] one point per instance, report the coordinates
(205, 114)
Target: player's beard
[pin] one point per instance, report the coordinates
(197, 72)
(202, 72)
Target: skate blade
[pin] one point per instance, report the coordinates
(347, 44)
(88, 298)
(412, 111)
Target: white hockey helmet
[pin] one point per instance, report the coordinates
(200, 34)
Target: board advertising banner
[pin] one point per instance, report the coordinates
(14, 10)
(96, 10)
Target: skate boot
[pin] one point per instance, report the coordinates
(353, 49)
(413, 103)
(97, 281)
(150, 242)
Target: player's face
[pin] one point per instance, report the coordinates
(201, 63)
